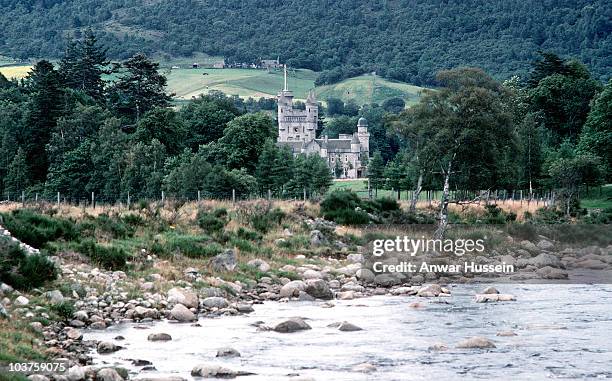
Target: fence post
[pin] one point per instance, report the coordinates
(198, 196)
(58, 199)
(36, 199)
(233, 195)
(128, 200)
(305, 191)
(269, 194)
(23, 198)
(163, 197)
(93, 201)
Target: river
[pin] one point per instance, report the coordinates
(563, 332)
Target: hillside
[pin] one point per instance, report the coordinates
(186, 83)
(407, 40)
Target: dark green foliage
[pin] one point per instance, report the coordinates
(266, 219)
(344, 207)
(405, 40)
(37, 229)
(248, 234)
(109, 257)
(22, 271)
(210, 222)
(65, 309)
(603, 216)
(187, 245)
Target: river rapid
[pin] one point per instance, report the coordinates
(562, 332)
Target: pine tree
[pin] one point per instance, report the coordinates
(17, 179)
(376, 168)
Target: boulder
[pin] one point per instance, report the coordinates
(245, 308)
(430, 290)
(292, 289)
(438, 347)
(215, 302)
(21, 301)
(182, 313)
(259, 264)
(3, 312)
(227, 352)
(107, 347)
(73, 333)
(549, 272)
(544, 244)
(348, 327)
(490, 290)
(476, 342)
(108, 374)
(185, 297)
(592, 264)
(141, 312)
(354, 258)
(528, 245)
(212, 371)
(317, 238)
(75, 373)
(346, 295)
(485, 298)
(312, 274)
(318, 288)
(506, 333)
(54, 297)
(159, 337)
(545, 259)
(225, 261)
(292, 325)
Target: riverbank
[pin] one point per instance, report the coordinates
(299, 258)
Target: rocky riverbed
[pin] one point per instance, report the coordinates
(332, 319)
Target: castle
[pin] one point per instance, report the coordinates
(346, 156)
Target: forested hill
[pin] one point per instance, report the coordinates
(407, 40)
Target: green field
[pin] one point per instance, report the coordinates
(186, 83)
(597, 198)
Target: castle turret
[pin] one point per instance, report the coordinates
(355, 144)
(295, 124)
(363, 134)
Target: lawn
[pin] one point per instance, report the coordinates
(17, 71)
(597, 198)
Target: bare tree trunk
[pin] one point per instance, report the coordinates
(443, 221)
(416, 193)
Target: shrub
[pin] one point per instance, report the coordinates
(192, 246)
(346, 208)
(114, 226)
(210, 223)
(37, 229)
(23, 271)
(108, 257)
(599, 217)
(64, 309)
(267, 220)
(248, 234)
(133, 219)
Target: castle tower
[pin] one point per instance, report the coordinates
(355, 144)
(295, 124)
(363, 134)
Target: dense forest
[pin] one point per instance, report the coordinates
(408, 40)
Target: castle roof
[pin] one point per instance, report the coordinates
(362, 122)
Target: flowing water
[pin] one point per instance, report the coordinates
(563, 332)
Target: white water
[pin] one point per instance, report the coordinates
(564, 332)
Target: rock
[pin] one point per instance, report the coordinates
(292, 325)
(317, 238)
(55, 296)
(75, 373)
(98, 325)
(245, 308)
(364, 368)
(312, 274)
(549, 272)
(304, 297)
(227, 352)
(73, 334)
(36, 326)
(318, 288)
(348, 327)
(182, 313)
(159, 337)
(38, 377)
(354, 258)
(545, 259)
(476, 342)
(528, 245)
(545, 245)
(212, 371)
(215, 302)
(506, 333)
(292, 289)
(225, 261)
(592, 264)
(346, 295)
(490, 290)
(438, 347)
(185, 297)
(21, 301)
(108, 374)
(107, 347)
(260, 264)
(485, 298)
(430, 290)
(3, 312)
(141, 312)
(168, 378)
(81, 315)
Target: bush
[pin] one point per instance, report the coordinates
(37, 229)
(267, 220)
(133, 219)
(23, 271)
(64, 309)
(210, 223)
(346, 208)
(108, 257)
(248, 234)
(599, 217)
(192, 246)
(114, 226)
